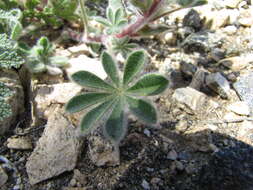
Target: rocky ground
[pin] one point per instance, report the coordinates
(205, 137)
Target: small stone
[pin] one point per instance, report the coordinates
(247, 22)
(79, 49)
(240, 108)
(72, 182)
(198, 79)
(155, 180)
(3, 177)
(213, 148)
(202, 42)
(217, 54)
(20, 143)
(179, 165)
(192, 19)
(230, 30)
(237, 63)
(170, 38)
(187, 69)
(145, 185)
(172, 155)
(218, 84)
(190, 98)
(147, 132)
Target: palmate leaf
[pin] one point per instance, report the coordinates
(91, 119)
(110, 68)
(87, 79)
(102, 21)
(83, 101)
(134, 64)
(115, 127)
(117, 96)
(149, 85)
(143, 110)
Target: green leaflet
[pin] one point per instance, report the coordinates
(110, 68)
(148, 85)
(90, 120)
(83, 101)
(87, 79)
(134, 64)
(143, 110)
(115, 127)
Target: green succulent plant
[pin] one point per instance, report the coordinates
(40, 58)
(112, 99)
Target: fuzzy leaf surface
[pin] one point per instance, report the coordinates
(110, 68)
(90, 120)
(142, 109)
(83, 101)
(148, 85)
(134, 64)
(87, 79)
(115, 127)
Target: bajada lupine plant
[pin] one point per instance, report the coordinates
(113, 98)
(40, 58)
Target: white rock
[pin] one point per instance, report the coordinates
(237, 63)
(82, 48)
(191, 98)
(56, 151)
(240, 108)
(230, 29)
(20, 143)
(46, 95)
(84, 63)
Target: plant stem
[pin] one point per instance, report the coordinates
(132, 29)
(84, 17)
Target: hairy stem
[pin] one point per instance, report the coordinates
(84, 17)
(142, 20)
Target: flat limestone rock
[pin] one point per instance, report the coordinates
(244, 88)
(20, 143)
(56, 151)
(46, 95)
(191, 99)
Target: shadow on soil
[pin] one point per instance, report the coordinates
(195, 168)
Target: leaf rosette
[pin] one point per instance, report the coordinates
(110, 100)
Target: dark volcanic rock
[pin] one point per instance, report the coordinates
(192, 19)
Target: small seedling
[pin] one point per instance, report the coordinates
(40, 58)
(113, 98)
